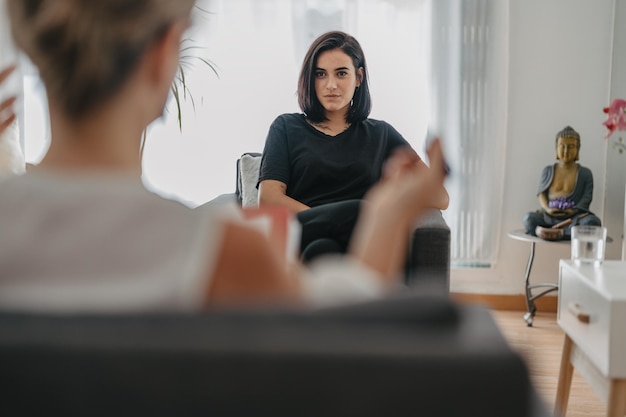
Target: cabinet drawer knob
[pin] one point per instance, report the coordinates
(578, 312)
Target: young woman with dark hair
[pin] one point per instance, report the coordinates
(320, 163)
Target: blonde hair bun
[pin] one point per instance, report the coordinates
(86, 49)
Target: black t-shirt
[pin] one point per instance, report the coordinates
(319, 168)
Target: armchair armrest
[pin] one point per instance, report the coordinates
(226, 198)
(428, 263)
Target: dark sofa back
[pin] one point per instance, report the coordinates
(404, 356)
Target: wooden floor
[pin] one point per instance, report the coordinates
(541, 346)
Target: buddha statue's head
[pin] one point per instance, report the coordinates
(567, 145)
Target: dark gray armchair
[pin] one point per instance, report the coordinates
(428, 263)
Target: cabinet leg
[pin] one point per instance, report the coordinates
(617, 398)
(565, 379)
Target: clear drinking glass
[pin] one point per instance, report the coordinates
(588, 244)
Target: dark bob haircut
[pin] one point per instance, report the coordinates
(307, 99)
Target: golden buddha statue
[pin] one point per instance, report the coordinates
(565, 189)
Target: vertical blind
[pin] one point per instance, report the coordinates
(469, 108)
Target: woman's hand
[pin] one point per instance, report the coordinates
(405, 160)
(401, 160)
(392, 205)
(7, 114)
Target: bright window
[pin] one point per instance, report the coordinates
(258, 46)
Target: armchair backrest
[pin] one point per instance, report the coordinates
(247, 176)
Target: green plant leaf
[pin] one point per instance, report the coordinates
(180, 80)
(177, 99)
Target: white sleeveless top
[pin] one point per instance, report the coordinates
(102, 243)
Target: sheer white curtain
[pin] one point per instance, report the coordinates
(469, 100)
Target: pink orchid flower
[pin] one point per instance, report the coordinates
(616, 119)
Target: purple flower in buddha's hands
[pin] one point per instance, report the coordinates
(616, 116)
(561, 203)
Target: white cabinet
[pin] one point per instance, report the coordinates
(592, 313)
(596, 293)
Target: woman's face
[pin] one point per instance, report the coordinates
(567, 149)
(335, 81)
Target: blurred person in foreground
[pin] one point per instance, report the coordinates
(81, 233)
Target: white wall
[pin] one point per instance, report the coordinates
(559, 74)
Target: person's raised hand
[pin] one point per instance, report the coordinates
(409, 186)
(401, 160)
(7, 114)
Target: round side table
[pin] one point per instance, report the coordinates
(547, 287)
